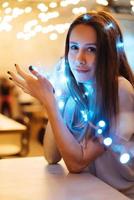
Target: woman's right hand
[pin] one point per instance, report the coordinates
(37, 85)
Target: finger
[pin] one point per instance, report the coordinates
(34, 72)
(21, 72)
(23, 88)
(20, 86)
(26, 91)
(17, 84)
(17, 79)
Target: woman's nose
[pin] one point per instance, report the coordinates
(80, 58)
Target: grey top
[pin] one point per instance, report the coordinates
(108, 167)
(111, 171)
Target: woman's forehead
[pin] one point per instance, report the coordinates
(83, 33)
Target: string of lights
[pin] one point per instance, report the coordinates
(118, 146)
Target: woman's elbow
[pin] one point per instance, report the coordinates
(52, 160)
(75, 169)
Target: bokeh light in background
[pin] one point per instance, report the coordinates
(45, 13)
(23, 21)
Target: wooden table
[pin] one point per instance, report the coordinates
(12, 136)
(32, 179)
(10, 125)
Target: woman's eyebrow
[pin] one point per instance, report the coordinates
(91, 44)
(71, 42)
(87, 44)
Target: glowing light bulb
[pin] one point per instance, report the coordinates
(86, 93)
(108, 26)
(101, 124)
(84, 115)
(120, 45)
(102, 2)
(124, 158)
(53, 5)
(99, 131)
(63, 79)
(107, 141)
(58, 92)
(5, 4)
(53, 36)
(86, 17)
(61, 104)
(28, 9)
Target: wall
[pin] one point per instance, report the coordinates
(38, 51)
(42, 52)
(127, 27)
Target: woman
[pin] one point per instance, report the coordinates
(100, 86)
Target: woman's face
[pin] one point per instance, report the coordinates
(82, 53)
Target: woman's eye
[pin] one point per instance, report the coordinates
(73, 47)
(92, 49)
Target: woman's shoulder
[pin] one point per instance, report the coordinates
(125, 85)
(126, 109)
(126, 94)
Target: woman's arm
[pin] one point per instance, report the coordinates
(75, 155)
(51, 151)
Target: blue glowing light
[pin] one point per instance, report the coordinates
(99, 131)
(89, 89)
(120, 45)
(124, 158)
(41, 71)
(84, 116)
(58, 92)
(108, 26)
(86, 93)
(86, 17)
(61, 104)
(107, 141)
(87, 115)
(101, 124)
(63, 79)
(118, 148)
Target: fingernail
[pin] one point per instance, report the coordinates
(10, 78)
(31, 68)
(8, 72)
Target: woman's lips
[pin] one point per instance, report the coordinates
(82, 70)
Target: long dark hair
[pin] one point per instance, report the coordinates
(110, 64)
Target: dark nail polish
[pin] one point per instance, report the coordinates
(8, 72)
(10, 78)
(31, 68)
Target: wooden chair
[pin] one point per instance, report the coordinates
(14, 137)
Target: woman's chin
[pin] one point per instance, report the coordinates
(83, 80)
(83, 77)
